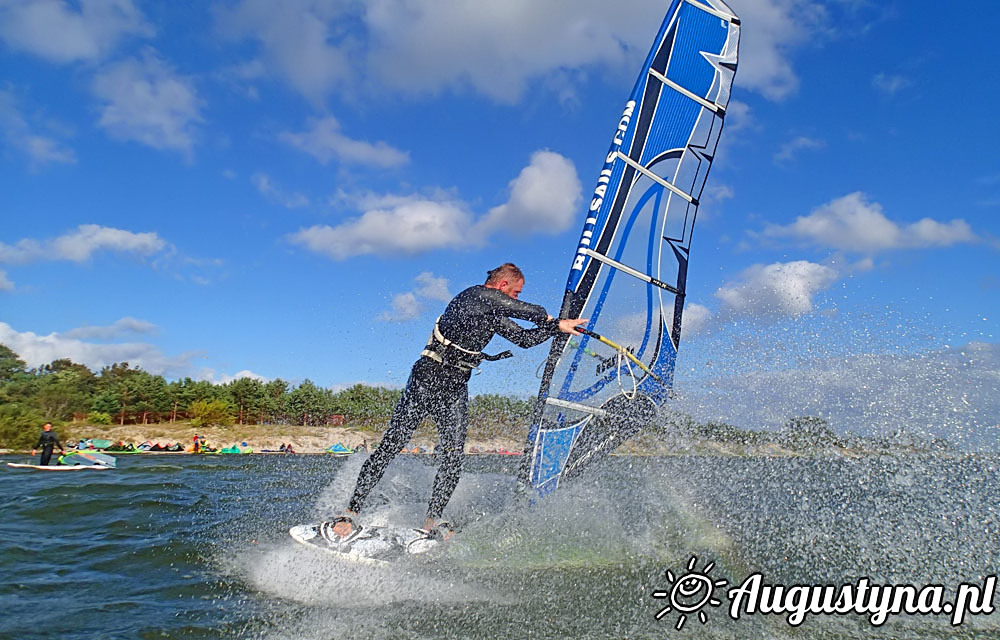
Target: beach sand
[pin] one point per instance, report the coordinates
(269, 437)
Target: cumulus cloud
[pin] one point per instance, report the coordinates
(145, 101)
(124, 326)
(19, 134)
(64, 32)
(695, 319)
(542, 199)
(405, 306)
(81, 244)
(215, 377)
(772, 29)
(782, 289)
(302, 41)
(789, 150)
(854, 223)
(275, 194)
(325, 142)
(890, 84)
(432, 287)
(393, 225)
(37, 350)
(494, 49)
(6, 284)
(410, 305)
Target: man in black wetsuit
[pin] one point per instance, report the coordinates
(46, 442)
(438, 383)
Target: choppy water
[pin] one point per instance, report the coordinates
(197, 547)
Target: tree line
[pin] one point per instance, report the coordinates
(63, 390)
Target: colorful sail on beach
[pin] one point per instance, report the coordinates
(629, 271)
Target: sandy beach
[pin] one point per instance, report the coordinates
(262, 438)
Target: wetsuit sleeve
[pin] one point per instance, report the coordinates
(525, 338)
(39, 445)
(511, 308)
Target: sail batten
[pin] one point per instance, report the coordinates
(690, 94)
(655, 178)
(601, 388)
(635, 273)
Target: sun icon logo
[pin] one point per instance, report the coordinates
(690, 593)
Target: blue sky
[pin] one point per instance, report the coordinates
(294, 189)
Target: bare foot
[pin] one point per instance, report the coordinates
(344, 528)
(429, 525)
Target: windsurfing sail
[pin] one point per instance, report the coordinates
(90, 458)
(629, 271)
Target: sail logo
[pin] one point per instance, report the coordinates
(602, 186)
(612, 362)
(693, 592)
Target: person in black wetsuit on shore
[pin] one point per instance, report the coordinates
(46, 442)
(438, 383)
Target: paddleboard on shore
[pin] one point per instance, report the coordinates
(56, 467)
(378, 545)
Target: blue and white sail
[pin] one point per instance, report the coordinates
(629, 271)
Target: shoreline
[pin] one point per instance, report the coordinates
(306, 440)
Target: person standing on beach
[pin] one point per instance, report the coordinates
(46, 442)
(438, 383)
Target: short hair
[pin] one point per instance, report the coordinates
(507, 270)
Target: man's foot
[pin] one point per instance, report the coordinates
(441, 529)
(344, 525)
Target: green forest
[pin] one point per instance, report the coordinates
(64, 391)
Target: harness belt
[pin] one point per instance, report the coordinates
(444, 351)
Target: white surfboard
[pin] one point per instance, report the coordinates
(57, 467)
(367, 544)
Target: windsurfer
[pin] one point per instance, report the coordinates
(47, 441)
(438, 383)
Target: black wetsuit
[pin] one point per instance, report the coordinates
(46, 442)
(441, 390)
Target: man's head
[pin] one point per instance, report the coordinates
(47, 426)
(507, 278)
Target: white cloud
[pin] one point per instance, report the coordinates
(303, 41)
(405, 306)
(409, 305)
(544, 198)
(114, 331)
(146, 101)
(853, 223)
(223, 378)
(273, 193)
(6, 284)
(59, 32)
(37, 350)
(393, 225)
(891, 84)
(789, 150)
(775, 290)
(325, 142)
(81, 244)
(494, 49)
(432, 288)
(771, 30)
(21, 135)
(695, 319)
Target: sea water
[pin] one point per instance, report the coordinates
(183, 546)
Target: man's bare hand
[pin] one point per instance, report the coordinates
(570, 325)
